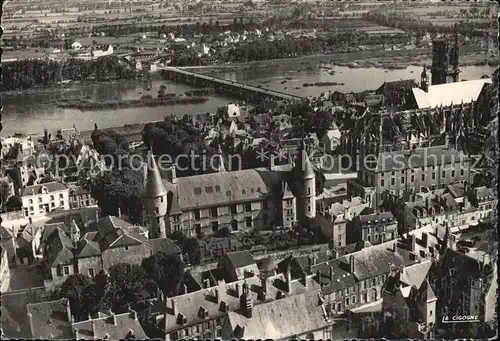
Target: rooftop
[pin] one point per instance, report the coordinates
(450, 93)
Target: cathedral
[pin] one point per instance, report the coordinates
(241, 200)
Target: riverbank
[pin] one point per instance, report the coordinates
(398, 59)
(85, 105)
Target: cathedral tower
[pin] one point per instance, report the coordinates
(155, 200)
(305, 191)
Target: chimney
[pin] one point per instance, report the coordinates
(289, 280)
(133, 314)
(334, 254)
(331, 274)
(185, 289)
(30, 220)
(412, 241)
(318, 276)
(271, 162)
(237, 290)
(394, 247)
(30, 317)
(425, 239)
(119, 212)
(96, 215)
(173, 173)
(77, 334)
(217, 295)
(93, 328)
(114, 319)
(173, 306)
(351, 264)
(304, 278)
(68, 311)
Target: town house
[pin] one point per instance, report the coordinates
(40, 199)
(410, 171)
(374, 228)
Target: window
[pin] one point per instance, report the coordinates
(248, 221)
(452, 173)
(234, 225)
(197, 214)
(61, 203)
(248, 207)
(215, 226)
(339, 307)
(51, 197)
(308, 208)
(347, 301)
(219, 333)
(39, 199)
(91, 272)
(161, 199)
(433, 176)
(186, 332)
(214, 212)
(430, 312)
(462, 172)
(234, 209)
(393, 181)
(158, 220)
(412, 178)
(443, 174)
(382, 183)
(157, 210)
(422, 177)
(308, 190)
(353, 298)
(372, 282)
(218, 322)
(402, 180)
(265, 218)
(66, 270)
(31, 201)
(61, 196)
(365, 298)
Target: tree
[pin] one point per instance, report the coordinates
(80, 290)
(14, 203)
(193, 250)
(129, 285)
(4, 192)
(167, 271)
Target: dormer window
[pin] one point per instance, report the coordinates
(203, 313)
(45, 190)
(181, 319)
(223, 307)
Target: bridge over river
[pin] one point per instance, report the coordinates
(226, 87)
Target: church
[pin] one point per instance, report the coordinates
(240, 200)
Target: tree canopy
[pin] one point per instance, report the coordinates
(167, 271)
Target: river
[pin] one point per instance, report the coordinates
(24, 113)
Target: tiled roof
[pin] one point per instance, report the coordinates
(240, 259)
(446, 94)
(224, 188)
(431, 156)
(59, 247)
(374, 261)
(88, 247)
(5, 234)
(114, 328)
(376, 216)
(415, 275)
(165, 245)
(50, 320)
(282, 318)
(333, 277)
(37, 189)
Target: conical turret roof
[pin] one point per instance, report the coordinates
(303, 166)
(154, 183)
